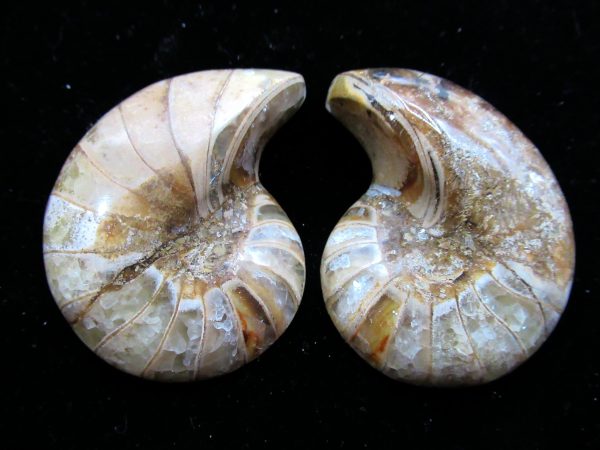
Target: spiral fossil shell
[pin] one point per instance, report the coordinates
(456, 264)
(162, 249)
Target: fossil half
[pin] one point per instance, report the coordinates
(162, 249)
(456, 264)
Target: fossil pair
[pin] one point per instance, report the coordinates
(171, 261)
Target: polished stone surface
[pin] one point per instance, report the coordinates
(162, 248)
(456, 264)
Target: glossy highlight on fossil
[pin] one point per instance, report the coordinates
(456, 264)
(162, 249)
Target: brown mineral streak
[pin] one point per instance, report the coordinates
(256, 305)
(251, 338)
(376, 356)
(385, 307)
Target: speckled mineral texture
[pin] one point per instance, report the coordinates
(162, 249)
(456, 264)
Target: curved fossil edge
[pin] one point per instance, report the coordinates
(161, 247)
(418, 129)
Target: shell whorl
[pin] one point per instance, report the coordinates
(457, 263)
(162, 249)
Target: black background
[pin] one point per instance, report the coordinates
(65, 65)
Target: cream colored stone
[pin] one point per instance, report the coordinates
(162, 248)
(456, 264)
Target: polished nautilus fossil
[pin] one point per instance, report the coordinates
(162, 249)
(456, 264)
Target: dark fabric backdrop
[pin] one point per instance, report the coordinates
(64, 64)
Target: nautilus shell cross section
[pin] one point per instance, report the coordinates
(162, 249)
(456, 264)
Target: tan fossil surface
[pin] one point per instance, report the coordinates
(456, 264)
(162, 249)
